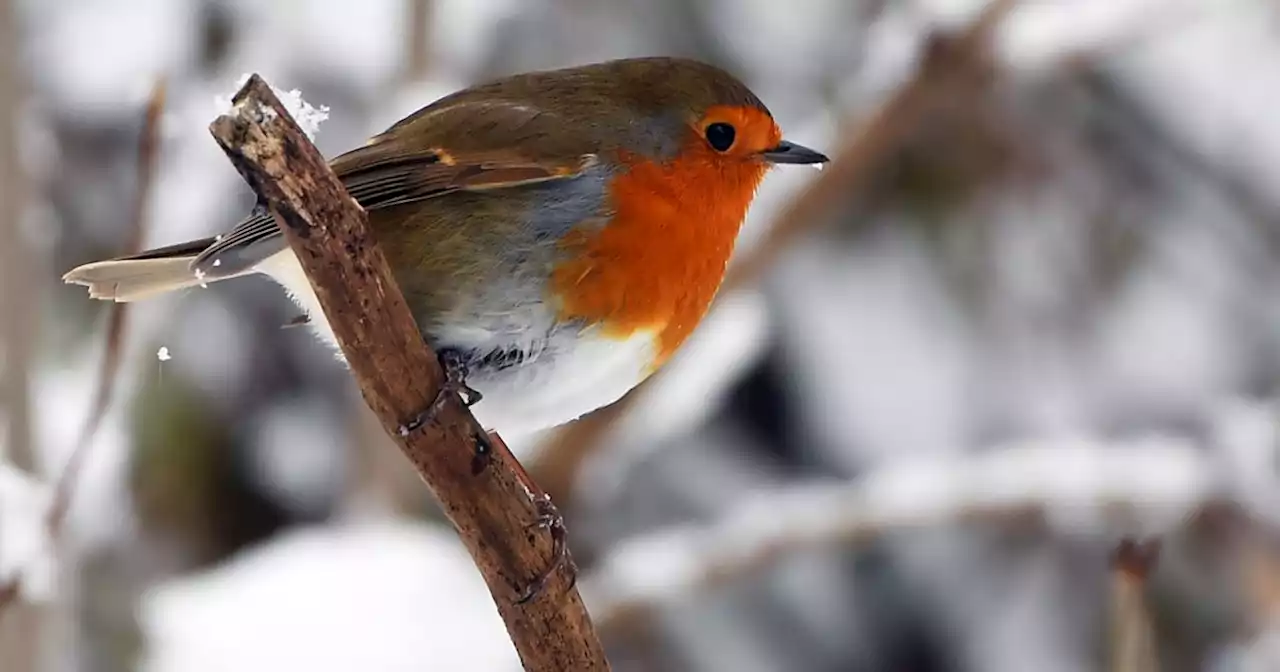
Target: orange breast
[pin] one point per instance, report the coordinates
(658, 264)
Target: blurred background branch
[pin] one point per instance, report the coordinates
(19, 311)
(20, 631)
(24, 640)
(117, 313)
(1133, 648)
(417, 47)
(642, 574)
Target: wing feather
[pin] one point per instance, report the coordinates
(390, 172)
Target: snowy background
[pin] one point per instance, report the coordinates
(1039, 323)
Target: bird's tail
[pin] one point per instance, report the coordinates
(143, 275)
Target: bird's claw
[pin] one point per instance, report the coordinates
(548, 516)
(455, 383)
(455, 377)
(260, 208)
(549, 519)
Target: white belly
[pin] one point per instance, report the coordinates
(579, 372)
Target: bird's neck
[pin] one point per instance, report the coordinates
(659, 262)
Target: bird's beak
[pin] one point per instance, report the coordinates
(789, 152)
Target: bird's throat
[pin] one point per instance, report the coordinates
(659, 262)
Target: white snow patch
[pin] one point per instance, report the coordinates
(382, 596)
(26, 551)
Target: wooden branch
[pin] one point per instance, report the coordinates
(491, 501)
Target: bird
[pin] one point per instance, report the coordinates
(557, 234)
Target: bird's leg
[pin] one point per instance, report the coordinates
(455, 377)
(549, 519)
(455, 382)
(260, 208)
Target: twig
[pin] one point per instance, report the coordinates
(1258, 558)
(417, 54)
(1132, 638)
(117, 318)
(64, 487)
(16, 307)
(16, 304)
(952, 65)
(486, 496)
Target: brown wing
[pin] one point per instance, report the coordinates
(466, 146)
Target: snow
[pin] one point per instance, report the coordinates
(307, 116)
(26, 550)
(1259, 653)
(378, 596)
(99, 508)
(1247, 437)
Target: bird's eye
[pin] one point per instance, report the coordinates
(721, 136)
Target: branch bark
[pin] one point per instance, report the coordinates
(491, 501)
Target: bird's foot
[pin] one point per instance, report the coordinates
(549, 519)
(455, 383)
(260, 208)
(455, 377)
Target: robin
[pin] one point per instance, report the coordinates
(557, 235)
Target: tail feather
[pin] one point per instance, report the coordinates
(143, 275)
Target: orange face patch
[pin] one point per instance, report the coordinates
(659, 262)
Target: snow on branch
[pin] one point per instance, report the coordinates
(1137, 488)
